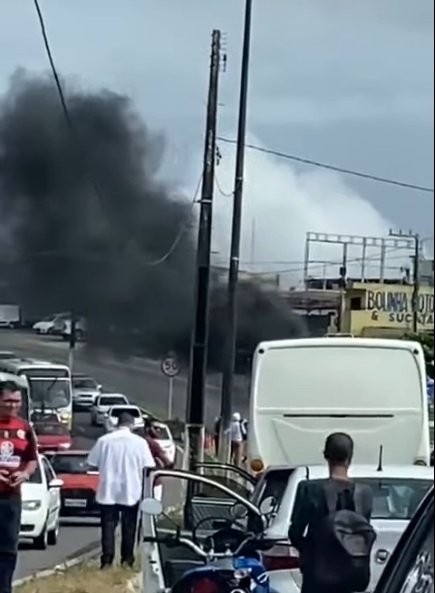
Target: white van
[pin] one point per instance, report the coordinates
(303, 390)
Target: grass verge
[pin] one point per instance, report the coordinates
(83, 578)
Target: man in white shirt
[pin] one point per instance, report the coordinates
(121, 458)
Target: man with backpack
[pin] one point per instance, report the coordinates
(331, 527)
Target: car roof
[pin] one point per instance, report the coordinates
(125, 406)
(113, 395)
(70, 453)
(416, 472)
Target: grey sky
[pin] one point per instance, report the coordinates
(349, 83)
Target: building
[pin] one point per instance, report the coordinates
(386, 309)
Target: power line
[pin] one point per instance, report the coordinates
(335, 168)
(62, 99)
(76, 143)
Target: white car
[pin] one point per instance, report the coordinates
(102, 405)
(47, 325)
(165, 439)
(113, 414)
(397, 491)
(85, 391)
(41, 502)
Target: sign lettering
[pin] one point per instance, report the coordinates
(400, 306)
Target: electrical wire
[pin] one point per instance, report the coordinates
(221, 190)
(184, 228)
(75, 140)
(335, 168)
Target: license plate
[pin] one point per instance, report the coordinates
(75, 503)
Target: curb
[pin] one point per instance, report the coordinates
(59, 568)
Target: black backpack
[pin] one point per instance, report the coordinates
(342, 545)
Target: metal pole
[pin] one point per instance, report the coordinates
(231, 338)
(307, 260)
(72, 340)
(416, 295)
(198, 367)
(343, 277)
(170, 398)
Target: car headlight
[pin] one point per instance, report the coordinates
(31, 505)
(65, 417)
(65, 446)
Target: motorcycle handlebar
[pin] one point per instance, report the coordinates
(171, 541)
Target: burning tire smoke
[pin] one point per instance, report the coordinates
(86, 217)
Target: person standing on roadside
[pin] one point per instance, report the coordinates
(121, 458)
(18, 461)
(160, 457)
(323, 511)
(236, 432)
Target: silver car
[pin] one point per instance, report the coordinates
(85, 391)
(397, 493)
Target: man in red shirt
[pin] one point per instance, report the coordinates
(18, 461)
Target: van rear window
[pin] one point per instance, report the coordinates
(273, 484)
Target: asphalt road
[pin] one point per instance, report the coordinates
(142, 381)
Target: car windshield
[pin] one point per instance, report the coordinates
(52, 394)
(50, 429)
(162, 433)
(116, 412)
(396, 499)
(69, 464)
(84, 383)
(36, 477)
(112, 401)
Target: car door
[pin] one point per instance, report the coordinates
(53, 493)
(411, 568)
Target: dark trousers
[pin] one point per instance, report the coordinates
(8, 563)
(110, 515)
(10, 520)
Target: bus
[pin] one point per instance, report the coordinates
(50, 385)
(23, 386)
(303, 390)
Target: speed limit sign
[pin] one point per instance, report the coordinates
(170, 367)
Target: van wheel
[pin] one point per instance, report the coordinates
(41, 542)
(53, 536)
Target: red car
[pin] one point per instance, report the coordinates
(52, 436)
(79, 484)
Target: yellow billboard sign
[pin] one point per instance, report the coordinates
(394, 306)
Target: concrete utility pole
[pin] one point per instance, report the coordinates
(198, 367)
(231, 337)
(416, 275)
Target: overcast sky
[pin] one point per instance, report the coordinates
(350, 83)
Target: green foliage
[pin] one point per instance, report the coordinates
(427, 341)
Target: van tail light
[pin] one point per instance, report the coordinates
(281, 557)
(205, 586)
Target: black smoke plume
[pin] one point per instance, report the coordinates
(87, 220)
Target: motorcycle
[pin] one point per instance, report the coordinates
(231, 556)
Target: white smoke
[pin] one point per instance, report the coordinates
(281, 205)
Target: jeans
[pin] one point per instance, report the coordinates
(8, 563)
(110, 515)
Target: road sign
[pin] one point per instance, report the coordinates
(170, 367)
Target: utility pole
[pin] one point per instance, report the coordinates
(343, 286)
(198, 366)
(72, 340)
(416, 275)
(233, 277)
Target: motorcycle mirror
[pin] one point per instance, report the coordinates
(239, 511)
(268, 505)
(152, 507)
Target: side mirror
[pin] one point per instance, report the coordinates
(152, 507)
(56, 483)
(268, 505)
(100, 388)
(239, 511)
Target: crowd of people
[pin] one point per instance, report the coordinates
(120, 458)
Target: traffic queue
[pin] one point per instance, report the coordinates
(63, 485)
